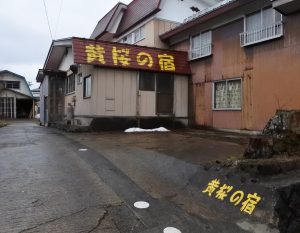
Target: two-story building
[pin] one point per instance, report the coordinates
(238, 66)
(245, 59)
(16, 100)
(112, 78)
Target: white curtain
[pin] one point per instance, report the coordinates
(234, 94)
(220, 95)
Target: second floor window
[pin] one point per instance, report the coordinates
(262, 25)
(70, 84)
(200, 45)
(11, 84)
(134, 37)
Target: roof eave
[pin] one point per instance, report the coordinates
(118, 7)
(19, 93)
(42, 73)
(65, 43)
(118, 34)
(186, 26)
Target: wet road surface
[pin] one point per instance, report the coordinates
(48, 185)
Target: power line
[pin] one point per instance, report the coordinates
(46, 12)
(58, 19)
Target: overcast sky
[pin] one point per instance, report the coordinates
(24, 35)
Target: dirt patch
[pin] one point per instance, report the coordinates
(2, 124)
(267, 167)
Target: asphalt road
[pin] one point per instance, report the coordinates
(47, 184)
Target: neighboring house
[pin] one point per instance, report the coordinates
(85, 81)
(36, 95)
(245, 59)
(16, 100)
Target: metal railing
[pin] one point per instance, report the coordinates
(200, 52)
(266, 33)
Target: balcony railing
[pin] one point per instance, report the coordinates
(200, 52)
(263, 34)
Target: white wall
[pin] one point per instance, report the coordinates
(43, 94)
(113, 93)
(67, 61)
(177, 10)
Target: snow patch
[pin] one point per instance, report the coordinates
(171, 230)
(139, 130)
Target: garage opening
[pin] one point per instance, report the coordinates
(24, 108)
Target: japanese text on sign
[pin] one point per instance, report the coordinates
(121, 57)
(236, 197)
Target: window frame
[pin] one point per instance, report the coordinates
(227, 109)
(85, 96)
(67, 84)
(79, 78)
(154, 81)
(12, 84)
(132, 36)
(7, 107)
(200, 35)
(278, 25)
(260, 12)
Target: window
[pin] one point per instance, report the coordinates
(147, 81)
(7, 107)
(87, 87)
(127, 39)
(135, 36)
(11, 84)
(227, 95)
(260, 26)
(200, 45)
(70, 84)
(139, 34)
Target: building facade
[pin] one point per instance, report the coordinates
(244, 56)
(112, 82)
(16, 100)
(241, 66)
(122, 92)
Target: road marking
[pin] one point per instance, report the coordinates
(82, 150)
(171, 230)
(141, 205)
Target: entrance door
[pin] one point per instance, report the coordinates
(164, 93)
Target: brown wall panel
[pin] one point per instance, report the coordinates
(270, 73)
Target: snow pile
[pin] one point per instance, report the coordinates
(139, 130)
